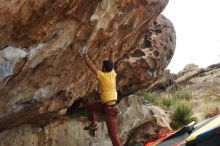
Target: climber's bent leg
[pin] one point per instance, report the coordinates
(92, 107)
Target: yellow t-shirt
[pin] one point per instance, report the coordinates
(107, 86)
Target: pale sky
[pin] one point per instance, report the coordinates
(197, 25)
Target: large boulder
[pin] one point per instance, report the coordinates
(165, 80)
(68, 131)
(144, 65)
(41, 72)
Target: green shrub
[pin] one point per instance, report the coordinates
(140, 93)
(167, 101)
(180, 95)
(182, 115)
(147, 96)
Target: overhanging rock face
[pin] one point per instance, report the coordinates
(142, 66)
(41, 72)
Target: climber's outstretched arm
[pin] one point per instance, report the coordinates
(111, 55)
(90, 64)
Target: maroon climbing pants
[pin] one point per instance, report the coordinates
(110, 114)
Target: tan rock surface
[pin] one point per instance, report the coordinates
(142, 67)
(69, 131)
(45, 74)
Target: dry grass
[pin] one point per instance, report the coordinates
(204, 101)
(178, 105)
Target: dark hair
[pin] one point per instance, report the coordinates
(107, 65)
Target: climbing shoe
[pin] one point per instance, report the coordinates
(91, 128)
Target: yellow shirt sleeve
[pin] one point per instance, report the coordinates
(100, 74)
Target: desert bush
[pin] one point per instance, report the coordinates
(180, 95)
(167, 101)
(148, 96)
(182, 115)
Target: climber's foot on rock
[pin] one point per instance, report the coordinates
(91, 129)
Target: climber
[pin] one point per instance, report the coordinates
(108, 96)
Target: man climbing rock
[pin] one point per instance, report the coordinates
(108, 96)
